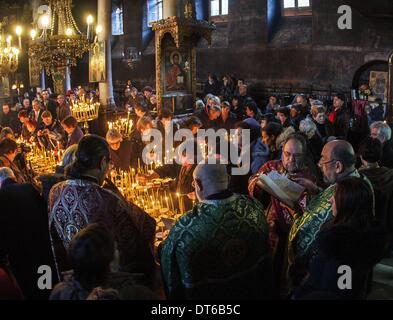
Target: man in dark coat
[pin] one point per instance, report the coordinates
(382, 132)
(9, 118)
(370, 152)
(75, 134)
(49, 104)
(340, 117)
(24, 236)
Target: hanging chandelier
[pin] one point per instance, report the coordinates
(9, 55)
(60, 43)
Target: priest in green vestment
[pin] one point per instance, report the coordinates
(337, 162)
(219, 249)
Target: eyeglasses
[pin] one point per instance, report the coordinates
(321, 163)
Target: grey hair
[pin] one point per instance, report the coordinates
(69, 155)
(6, 173)
(384, 131)
(216, 100)
(113, 135)
(5, 131)
(308, 127)
(317, 103)
(212, 174)
(199, 105)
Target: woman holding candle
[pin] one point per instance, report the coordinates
(120, 149)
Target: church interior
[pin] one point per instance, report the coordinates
(196, 150)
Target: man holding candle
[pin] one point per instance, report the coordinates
(52, 135)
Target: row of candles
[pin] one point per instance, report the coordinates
(147, 168)
(124, 126)
(154, 197)
(43, 160)
(85, 110)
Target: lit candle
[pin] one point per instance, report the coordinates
(18, 32)
(170, 197)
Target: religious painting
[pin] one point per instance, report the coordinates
(34, 73)
(97, 62)
(177, 67)
(379, 84)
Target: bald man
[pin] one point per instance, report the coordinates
(337, 162)
(219, 249)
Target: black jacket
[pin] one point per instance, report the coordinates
(56, 136)
(343, 245)
(229, 123)
(213, 88)
(10, 120)
(341, 123)
(50, 105)
(202, 114)
(387, 155)
(381, 179)
(122, 158)
(24, 236)
(324, 131)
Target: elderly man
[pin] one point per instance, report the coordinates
(49, 104)
(279, 215)
(63, 109)
(219, 249)
(337, 162)
(36, 113)
(26, 105)
(9, 118)
(120, 150)
(382, 132)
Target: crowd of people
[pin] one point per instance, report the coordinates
(235, 239)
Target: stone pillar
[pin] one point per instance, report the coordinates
(169, 8)
(104, 19)
(42, 79)
(389, 107)
(67, 79)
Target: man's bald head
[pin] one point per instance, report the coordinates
(342, 151)
(210, 179)
(337, 160)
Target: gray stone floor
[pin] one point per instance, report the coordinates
(382, 281)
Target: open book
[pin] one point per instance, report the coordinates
(282, 188)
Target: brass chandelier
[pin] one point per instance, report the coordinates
(9, 59)
(60, 43)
